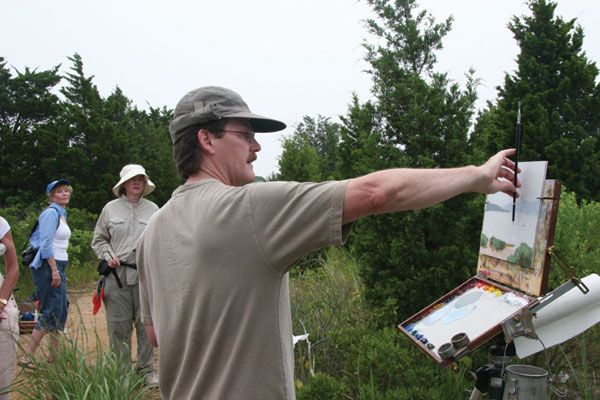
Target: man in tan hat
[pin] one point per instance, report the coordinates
(118, 228)
(214, 260)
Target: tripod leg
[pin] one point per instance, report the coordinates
(475, 394)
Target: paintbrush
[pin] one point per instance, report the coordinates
(518, 146)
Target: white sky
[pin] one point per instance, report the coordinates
(287, 58)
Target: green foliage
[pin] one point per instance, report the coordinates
(576, 241)
(321, 387)
(523, 256)
(27, 105)
(299, 161)
(497, 244)
(581, 356)
(346, 351)
(78, 135)
(418, 118)
(484, 240)
(560, 97)
(310, 153)
(79, 374)
(325, 300)
(362, 149)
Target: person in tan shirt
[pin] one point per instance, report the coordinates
(118, 228)
(213, 261)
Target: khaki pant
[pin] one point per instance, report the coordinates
(122, 314)
(9, 336)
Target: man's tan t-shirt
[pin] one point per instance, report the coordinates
(213, 281)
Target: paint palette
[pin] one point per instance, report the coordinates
(473, 313)
(475, 310)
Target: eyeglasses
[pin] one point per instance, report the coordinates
(138, 178)
(248, 135)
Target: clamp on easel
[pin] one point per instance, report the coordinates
(521, 324)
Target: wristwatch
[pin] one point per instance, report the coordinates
(4, 302)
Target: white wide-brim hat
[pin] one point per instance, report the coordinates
(129, 171)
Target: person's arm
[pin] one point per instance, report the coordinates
(151, 334)
(101, 241)
(12, 268)
(49, 221)
(412, 189)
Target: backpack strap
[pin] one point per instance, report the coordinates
(37, 222)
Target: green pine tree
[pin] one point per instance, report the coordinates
(27, 104)
(419, 118)
(557, 86)
(310, 153)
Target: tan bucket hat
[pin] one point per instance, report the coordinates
(128, 172)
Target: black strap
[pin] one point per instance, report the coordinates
(132, 266)
(114, 272)
(37, 222)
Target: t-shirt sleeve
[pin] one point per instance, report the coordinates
(4, 227)
(291, 219)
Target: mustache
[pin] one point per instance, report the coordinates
(252, 158)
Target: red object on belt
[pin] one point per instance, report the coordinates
(98, 296)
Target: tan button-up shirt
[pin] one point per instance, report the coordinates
(118, 228)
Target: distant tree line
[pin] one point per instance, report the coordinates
(77, 135)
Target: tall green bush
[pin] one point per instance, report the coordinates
(321, 387)
(577, 238)
(347, 350)
(325, 300)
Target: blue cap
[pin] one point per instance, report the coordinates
(55, 183)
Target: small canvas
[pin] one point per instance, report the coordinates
(514, 241)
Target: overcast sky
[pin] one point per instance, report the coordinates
(287, 58)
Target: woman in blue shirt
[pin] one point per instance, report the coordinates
(51, 238)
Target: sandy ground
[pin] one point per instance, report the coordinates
(81, 319)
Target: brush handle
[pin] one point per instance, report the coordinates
(518, 147)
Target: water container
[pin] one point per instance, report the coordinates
(525, 382)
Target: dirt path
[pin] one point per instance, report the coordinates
(81, 319)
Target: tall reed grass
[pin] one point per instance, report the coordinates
(83, 368)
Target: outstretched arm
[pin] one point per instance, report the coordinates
(411, 189)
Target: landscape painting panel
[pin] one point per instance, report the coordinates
(513, 241)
